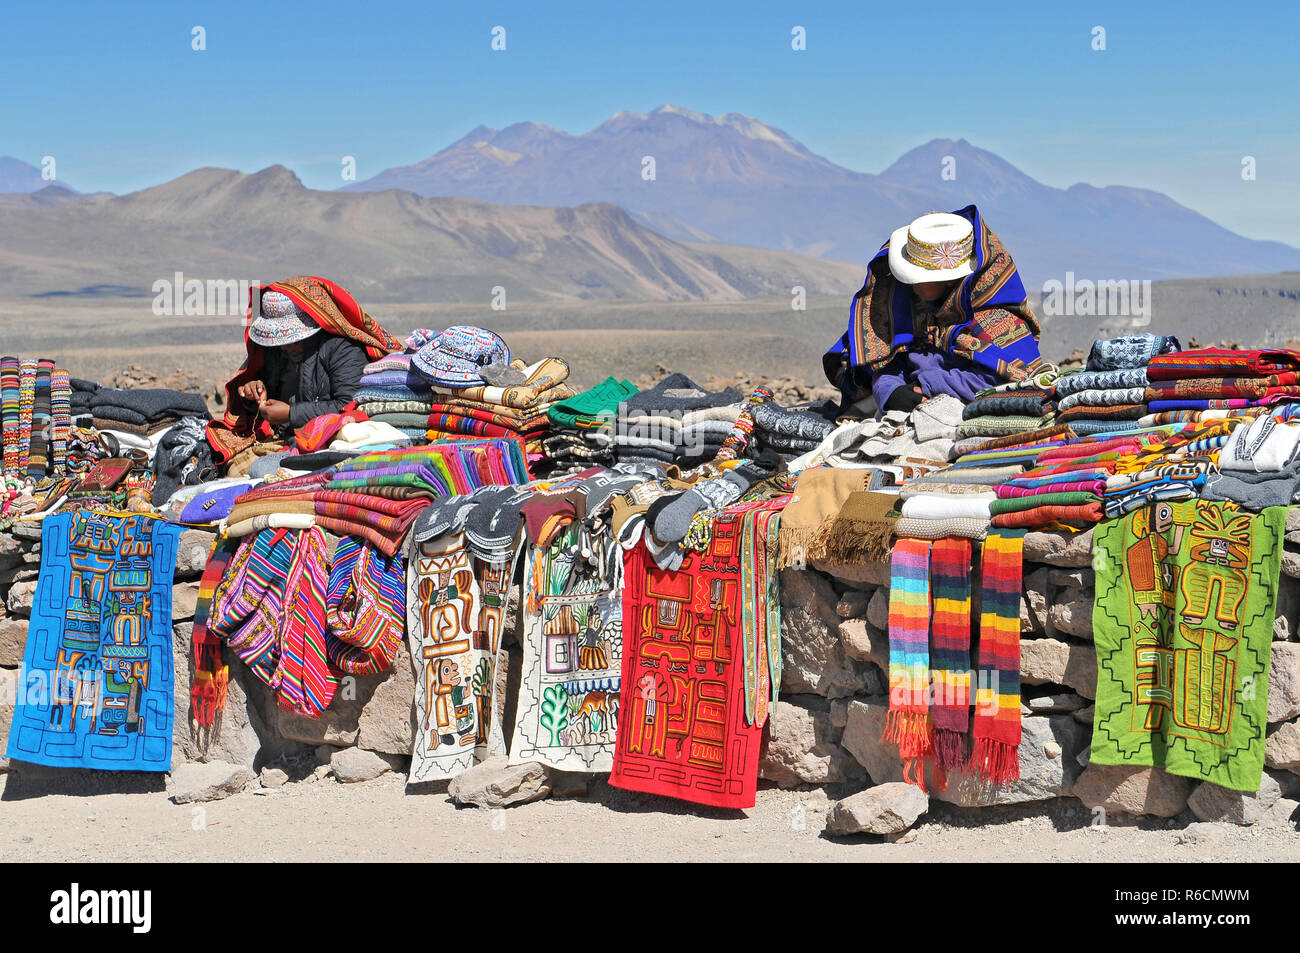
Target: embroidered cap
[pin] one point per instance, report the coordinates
(939, 246)
(281, 322)
(457, 356)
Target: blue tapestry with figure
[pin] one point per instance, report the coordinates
(96, 687)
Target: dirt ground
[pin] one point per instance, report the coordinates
(326, 821)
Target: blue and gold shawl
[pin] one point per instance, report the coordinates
(987, 319)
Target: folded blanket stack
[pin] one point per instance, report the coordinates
(582, 427)
(1009, 409)
(392, 393)
(675, 422)
(139, 418)
(790, 432)
(905, 445)
(1216, 379)
(517, 410)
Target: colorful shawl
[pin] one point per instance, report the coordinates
(988, 320)
(330, 306)
(1219, 362)
(100, 639)
(270, 609)
(570, 693)
(366, 605)
(683, 732)
(1183, 623)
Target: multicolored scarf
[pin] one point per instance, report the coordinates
(996, 752)
(330, 306)
(950, 582)
(1183, 623)
(908, 722)
(988, 320)
(211, 674)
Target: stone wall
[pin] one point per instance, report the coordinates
(827, 726)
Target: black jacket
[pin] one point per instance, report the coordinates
(328, 377)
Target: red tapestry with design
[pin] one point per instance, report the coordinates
(682, 730)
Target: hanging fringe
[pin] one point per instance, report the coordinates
(995, 761)
(950, 749)
(844, 541)
(794, 545)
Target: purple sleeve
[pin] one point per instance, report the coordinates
(941, 373)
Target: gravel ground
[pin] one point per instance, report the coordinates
(330, 822)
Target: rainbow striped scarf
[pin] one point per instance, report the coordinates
(211, 674)
(908, 721)
(950, 579)
(996, 755)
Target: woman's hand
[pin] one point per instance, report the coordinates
(274, 412)
(254, 391)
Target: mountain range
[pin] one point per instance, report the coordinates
(735, 179)
(386, 246)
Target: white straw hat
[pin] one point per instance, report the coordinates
(939, 246)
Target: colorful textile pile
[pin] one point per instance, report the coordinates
(1183, 624)
(675, 422)
(100, 638)
(393, 393)
(34, 418)
(683, 731)
(517, 410)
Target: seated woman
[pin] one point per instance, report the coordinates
(943, 311)
(308, 343)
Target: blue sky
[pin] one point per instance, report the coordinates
(1181, 94)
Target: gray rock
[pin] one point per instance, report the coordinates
(884, 809)
(864, 725)
(1059, 548)
(1284, 682)
(185, 596)
(814, 660)
(1129, 789)
(1282, 748)
(852, 604)
(839, 712)
(192, 552)
(1210, 802)
(878, 610)
(1053, 662)
(1201, 832)
(13, 639)
(802, 746)
(29, 530)
(1282, 814)
(273, 777)
(1291, 563)
(193, 781)
(495, 783)
(864, 573)
(1033, 607)
(865, 643)
(1084, 715)
(387, 721)
(355, 764)
(1058, 702)
(1071, 612)
(1287, 611)
(19, 599)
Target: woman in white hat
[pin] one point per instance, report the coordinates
(943, 311)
